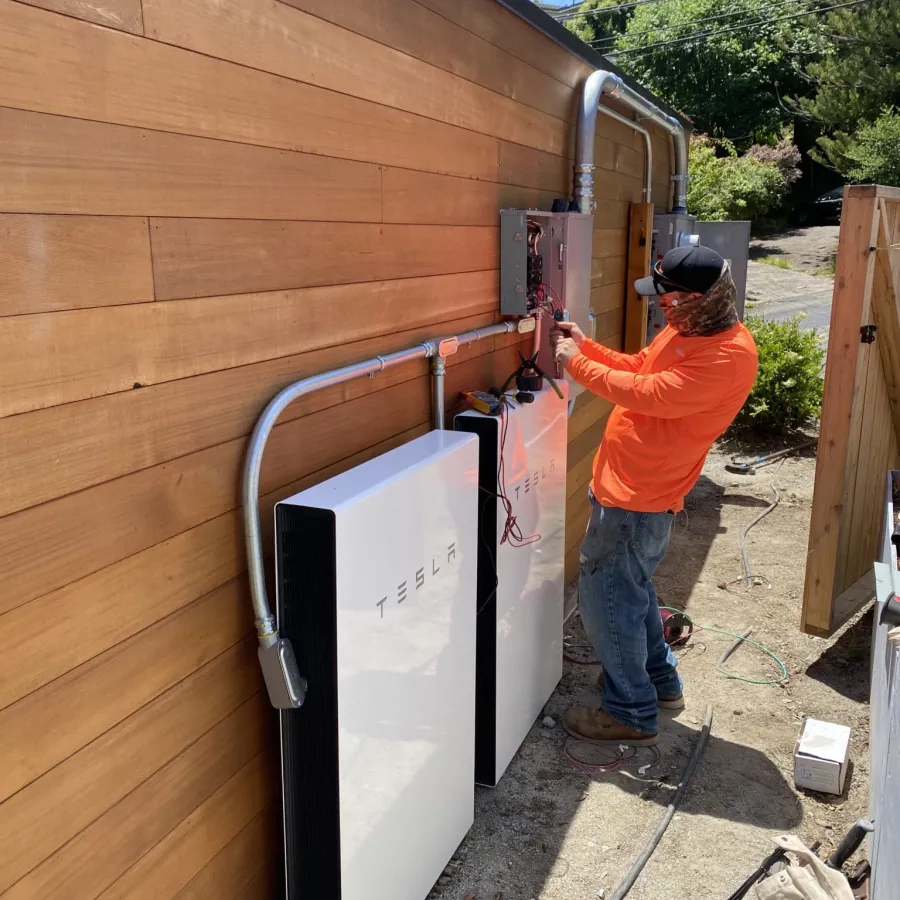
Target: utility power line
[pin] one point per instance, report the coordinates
(708, 34)
(701, 21)
(565, 17)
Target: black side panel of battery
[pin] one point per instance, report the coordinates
(486, 626)
(306, 575)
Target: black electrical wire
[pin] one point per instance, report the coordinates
(743, 11)
(754, 24)
(669, 813)
(566, 17)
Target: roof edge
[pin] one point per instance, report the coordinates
(545, 23)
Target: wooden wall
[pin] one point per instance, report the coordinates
(200, 202)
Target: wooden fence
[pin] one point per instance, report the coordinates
(860, 428)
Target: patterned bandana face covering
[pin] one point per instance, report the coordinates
(705, 315)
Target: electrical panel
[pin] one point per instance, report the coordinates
(669, 231)
(545, 267)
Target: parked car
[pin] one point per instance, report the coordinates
(824, 210)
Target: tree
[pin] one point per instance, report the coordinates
(730, 84)
(874, 157)
(592, 26)
(724, 186)
(857, 77)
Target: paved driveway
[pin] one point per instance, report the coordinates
(780, 294)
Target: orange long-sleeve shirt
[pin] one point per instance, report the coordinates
(673, 400)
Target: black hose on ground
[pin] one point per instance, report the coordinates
(669, 813)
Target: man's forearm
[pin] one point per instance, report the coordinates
(621, 362)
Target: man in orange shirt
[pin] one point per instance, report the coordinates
(673, 400)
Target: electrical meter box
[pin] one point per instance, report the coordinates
(669, 231)
(545, 266)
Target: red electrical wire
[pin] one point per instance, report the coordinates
(512, 533)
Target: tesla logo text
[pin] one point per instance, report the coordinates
(534, 479)
(422, 575)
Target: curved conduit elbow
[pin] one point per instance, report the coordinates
(602, 82)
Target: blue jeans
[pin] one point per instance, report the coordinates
(620, 613)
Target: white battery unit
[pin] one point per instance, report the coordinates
(376, 574)
(520, 588)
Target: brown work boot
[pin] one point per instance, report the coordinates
(598, 727)
(676, 702)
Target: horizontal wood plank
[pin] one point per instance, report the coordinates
(262, 886)
(96, 857)
(422, 198)
(579, 476)
(277, 38)
(502, 28)
(587, 414)
(91, 353)
(38, 820)
(528, 167)
(412, 28)
(124, 15)
(183, 852)
(572, 564)
(232, 869)
(95, 74)
(608, 298)
(50, 263)
(42, 729)
(608, 270)
(106, 437)
(208, 257)
(586, 443)
(578, 514)
(51, 164)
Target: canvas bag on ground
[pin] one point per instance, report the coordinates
(811, 879)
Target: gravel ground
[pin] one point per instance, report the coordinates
(806, 249)
(554, 830)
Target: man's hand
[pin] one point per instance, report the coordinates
(564, 349)
(566, 330)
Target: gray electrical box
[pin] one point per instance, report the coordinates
(732, 241)
(669, 231)
(545, 265)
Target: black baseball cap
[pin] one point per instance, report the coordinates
(691, 269)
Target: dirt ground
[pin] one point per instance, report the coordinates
(806, 249)
(554, 830)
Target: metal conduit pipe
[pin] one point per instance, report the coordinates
(648, 148)
(603, 82)
(285, 686)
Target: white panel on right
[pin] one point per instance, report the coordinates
(520, 583)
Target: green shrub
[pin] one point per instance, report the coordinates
(788, 389)
(875, 153)
(731, 187)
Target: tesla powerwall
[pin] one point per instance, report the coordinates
(376, 588)
(520, 582)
